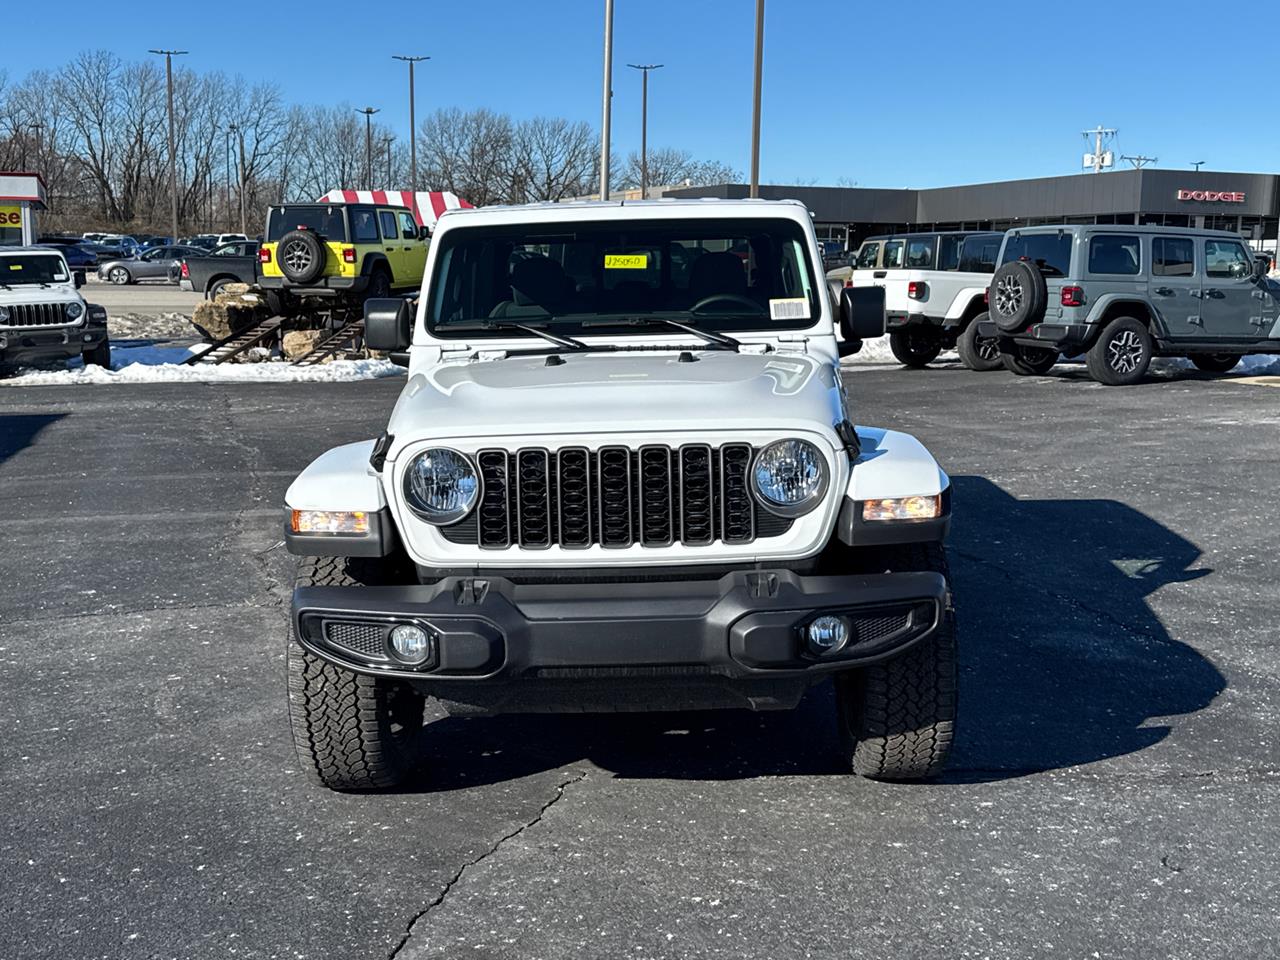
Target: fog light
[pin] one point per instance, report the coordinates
(828, 635)
(411, 643)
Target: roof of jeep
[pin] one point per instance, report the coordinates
(1123, 228)
(37, 248)
(667, 208)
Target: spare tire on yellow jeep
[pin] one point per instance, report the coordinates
(302, 256)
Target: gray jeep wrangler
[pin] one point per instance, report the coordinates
(1123, 294)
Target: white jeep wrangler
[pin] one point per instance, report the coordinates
(42, 315)
(621, 476)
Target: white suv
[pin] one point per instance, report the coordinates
(42, 315)
(621, 476)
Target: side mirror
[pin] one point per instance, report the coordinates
(861, 313)
(424, 233)
(78, 276)
(388, 324)
(1260, 265)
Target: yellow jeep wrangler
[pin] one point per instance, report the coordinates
(348, 251)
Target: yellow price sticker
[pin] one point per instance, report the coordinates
(15, 266)
(626, 261)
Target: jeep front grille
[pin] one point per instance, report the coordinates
(616, 497)
(36, 315)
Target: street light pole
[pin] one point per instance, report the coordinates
(173, 160)
(240, 137)
(644, 69)
(608, 94)
(386, 145)
(755, 101)
(413, 132)
(226, 194)
(368, 146)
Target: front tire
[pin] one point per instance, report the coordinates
(379, 285)
(99, 356)
(978, 353)
(915, 346)
(119, 276)
(351, 731)
(1121, 355)
(897, 718)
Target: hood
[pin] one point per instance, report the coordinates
(632, 392)
(34, 293)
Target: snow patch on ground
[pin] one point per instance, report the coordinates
(164, 364)
(873, 351)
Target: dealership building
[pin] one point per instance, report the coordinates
(1247, 203)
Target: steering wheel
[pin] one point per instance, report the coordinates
(730, 298)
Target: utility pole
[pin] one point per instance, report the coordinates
(173, 160)
(1098, 159)
(755, 101)
(1140, 161)
(413, 131)
(240, 137)
(368, 146)
(386, 145)
(226, 194)
(607, 96)
(644, 69)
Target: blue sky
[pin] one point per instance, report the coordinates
(884, 95)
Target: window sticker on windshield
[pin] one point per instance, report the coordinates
(15, 266)
(789, 308)
(626, 261)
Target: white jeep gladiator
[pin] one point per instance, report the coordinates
(621, 476)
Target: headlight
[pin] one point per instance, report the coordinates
(4, 314)
(74, 309)
(789, 477)
(441, 486)
(903, 508)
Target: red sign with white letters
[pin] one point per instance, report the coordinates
(1211, 196)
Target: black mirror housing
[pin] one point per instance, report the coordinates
(79, 278)
(388, 324)
(861, 313)
(424, 233)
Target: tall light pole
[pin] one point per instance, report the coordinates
(226, 198)
(173, 160)
(368, 145)
(755, 101)
(240, 137)
(386, 145)
(413, 131)
(608, 94)
(644, 69)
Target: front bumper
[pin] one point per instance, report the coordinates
(324, 287)
(735, 641)
(24, 345)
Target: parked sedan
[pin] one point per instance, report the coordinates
(154, 264)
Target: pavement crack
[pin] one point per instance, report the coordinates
(493, 848)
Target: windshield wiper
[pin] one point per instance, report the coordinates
(719, 340)
(567, 343)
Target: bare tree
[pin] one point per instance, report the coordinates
(469, 153)
(553, 158)
(669, 166)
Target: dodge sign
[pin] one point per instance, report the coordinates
(1213, 196)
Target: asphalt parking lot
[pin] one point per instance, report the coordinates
(1113, 792)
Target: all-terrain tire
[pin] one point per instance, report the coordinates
(99, 356)
(1028, 361)
(1215, 362)
(379, 284)
(915, 346)
(1017, 296)
(302, 256)
(978, 353)
(897, 718)
(351, 731)
(1121, 354)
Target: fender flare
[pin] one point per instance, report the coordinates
(892, 464)
(963, 300)
(372, 260)
(1159, 328)
(341, 480)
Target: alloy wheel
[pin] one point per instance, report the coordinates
(1124, 352)
(1009, 296)
(297, 256)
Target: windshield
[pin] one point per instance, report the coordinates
(33, 268)
(712, 274)
(324, 220)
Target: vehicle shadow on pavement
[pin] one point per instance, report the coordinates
(1062, 663)
(19, 430)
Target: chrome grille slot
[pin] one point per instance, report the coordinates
(494, 510)
(697, 513)
(613, 478)
(737, 509)
(533, 498)
(573, 484)
(616, 497)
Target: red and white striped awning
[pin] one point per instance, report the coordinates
(427, 205)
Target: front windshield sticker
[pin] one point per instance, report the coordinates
(626, 261)
(15, 266)
(789, 308)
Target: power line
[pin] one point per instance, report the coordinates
(1098, 159)
(1139, 161)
